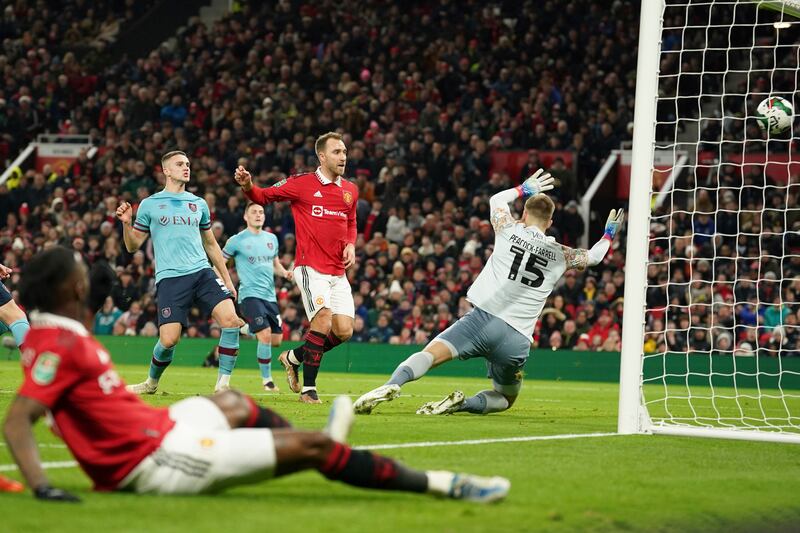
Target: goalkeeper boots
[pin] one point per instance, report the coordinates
(449, 405)
(367, 402)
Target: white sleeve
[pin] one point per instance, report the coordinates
(599, 251)
(502, 199)
(498, 207)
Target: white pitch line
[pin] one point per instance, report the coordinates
(70, 464)
(431, 444)
(50, 466)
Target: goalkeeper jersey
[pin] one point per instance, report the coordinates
(519, 276)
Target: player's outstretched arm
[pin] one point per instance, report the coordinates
(283, 190)
(133, 237)
(214, 253)
(536, 183)
(580, 259)
(18, 430)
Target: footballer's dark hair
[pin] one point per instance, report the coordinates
(251, 204)
(43, 275)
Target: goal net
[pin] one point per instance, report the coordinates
(711, 341)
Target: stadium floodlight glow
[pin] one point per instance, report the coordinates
(706, 265)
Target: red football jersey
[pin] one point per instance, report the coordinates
(108, 429)
(324, 217)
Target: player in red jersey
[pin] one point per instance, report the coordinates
(324, 209)
(200, 444)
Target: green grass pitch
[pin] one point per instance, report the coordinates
(613, 483)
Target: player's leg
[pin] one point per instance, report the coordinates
(173, 297)
(315, 291)
(261, 316)
(212, 294)
(264, 355)
(344, 313)
(507, 353)
(12, 316)
(464, 339)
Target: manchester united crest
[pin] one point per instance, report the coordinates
(348, 197)
(193, 207)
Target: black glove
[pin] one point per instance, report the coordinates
(48, 493)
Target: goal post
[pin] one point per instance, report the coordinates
(707, 265)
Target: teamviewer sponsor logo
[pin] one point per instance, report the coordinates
(316, 210)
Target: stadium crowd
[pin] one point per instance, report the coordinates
(423, 95)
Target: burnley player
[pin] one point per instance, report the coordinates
(324, 208)
(255, 253)
(180, 225)
(200, 444)
(12, 318)
(508, 296)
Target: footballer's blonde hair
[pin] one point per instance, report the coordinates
(540, 207)
(322, 140)
(169, 155)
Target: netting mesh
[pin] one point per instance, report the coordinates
(723, 280)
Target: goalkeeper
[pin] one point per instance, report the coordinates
(508, 296)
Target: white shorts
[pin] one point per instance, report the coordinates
(324, 290)
(203, 454)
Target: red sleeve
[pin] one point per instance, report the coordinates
(286, 189)
(48, 376)
(351, 219)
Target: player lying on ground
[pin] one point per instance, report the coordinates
(196, 445)
(508, 296)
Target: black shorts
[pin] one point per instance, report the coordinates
(261, 314)
(177, 295)
(5, 296)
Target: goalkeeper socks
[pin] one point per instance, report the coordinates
(310, 354)
(228, 350)
(264, 355)
(261, 417)
(485, 402)
(19, 328)
(331, 342)
(411, 369)
(162, 357)
(361, 468)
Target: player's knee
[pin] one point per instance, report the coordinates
(263, 336)
(318, 446)
(168, 339)
(344, 332)
(276, 341)
(510, 400)
(234, 406)
(322, 321)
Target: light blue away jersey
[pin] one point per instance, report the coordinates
(174, 221)
(254, 254)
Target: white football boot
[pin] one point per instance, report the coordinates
(367, 402)
(449, 405)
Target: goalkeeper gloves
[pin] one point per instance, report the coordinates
(536, 183)
(613, 223)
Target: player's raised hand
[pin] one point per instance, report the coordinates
(614, 222)
(52, 494)
(125, 213)
(243, 178)
(539, 181)
(289, 275)
(5, 272)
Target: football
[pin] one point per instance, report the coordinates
(774, 115)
